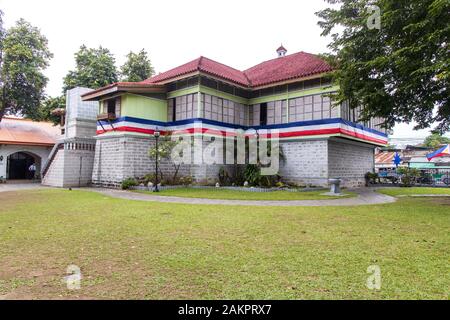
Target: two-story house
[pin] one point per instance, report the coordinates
(290, 93)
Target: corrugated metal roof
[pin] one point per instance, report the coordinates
(15, 130)
(384, 158)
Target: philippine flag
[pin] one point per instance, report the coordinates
(445, 150)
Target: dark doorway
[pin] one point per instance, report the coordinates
(112, 106)
(18, 164)
(263, 114)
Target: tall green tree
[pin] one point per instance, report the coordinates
(48, 105)
(24, 55)
(435, 140)
(393, 61)
(138, 67)
(95, 68)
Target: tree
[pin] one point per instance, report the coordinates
(138, 67)
(47, 106)
(435, 141)
(165, 149)
(95, 68)
(409, 176)
(24, 55)
(397, 69)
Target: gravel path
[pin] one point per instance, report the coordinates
(4, 187)
(366, 196)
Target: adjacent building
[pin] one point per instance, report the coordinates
(24, 142)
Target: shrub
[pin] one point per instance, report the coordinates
(224, 177)
(129, 182)
(238, 177)
(150, 177)
(186, 181)
(371, 177)
(280, 184)
(409, 176)
(252, 174)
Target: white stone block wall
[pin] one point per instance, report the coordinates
(81, 116)
(126, 156)
(350, 161)
(55, 174)
(78, 168)
(72, 165)
(306, 162)
(315, 161)
(108, 161)
(207, 174)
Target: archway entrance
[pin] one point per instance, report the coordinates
(19, 164)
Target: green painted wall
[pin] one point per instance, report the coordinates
(182, 92)
(143, 107)
(293, 94)
(223, 95)
(277, 97)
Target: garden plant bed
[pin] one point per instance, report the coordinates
(245, 189)
(229, 193)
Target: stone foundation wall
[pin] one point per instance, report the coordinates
(55, 173)
(313, 162)
(78, 168)
(125, 156)
(350, 161)
(72, 165)
(306, 162)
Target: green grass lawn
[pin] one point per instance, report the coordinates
(414, 191)
(140, 250)
(211, 193)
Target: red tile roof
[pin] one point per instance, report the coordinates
(296, 65)
(289, 67)
(27, 132)
(204, 65)
(281, 48)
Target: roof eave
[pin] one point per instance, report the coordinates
(205, 73)
(290, 80)
(101, 93)
(21, 143)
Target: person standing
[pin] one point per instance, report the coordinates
(32, 170)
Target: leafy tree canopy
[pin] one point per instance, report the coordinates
(48, 105)
(399, 71)
(24, 55)
(435, 141)
(95, 68)
(138, 67)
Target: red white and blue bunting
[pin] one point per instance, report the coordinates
(293, 130)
